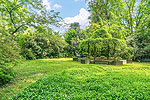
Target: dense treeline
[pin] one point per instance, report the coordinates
(126, 20)
(123, 20)
(117, 29)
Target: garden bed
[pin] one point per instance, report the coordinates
(120, 63)
(129, 61)
(85, 61)
(101, 62)
(124, 61)
(75, 58)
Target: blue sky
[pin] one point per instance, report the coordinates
(70, 10)
(67, 8)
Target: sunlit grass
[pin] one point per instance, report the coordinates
(58, 59)
(30, 71)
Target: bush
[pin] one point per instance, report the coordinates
(9, 56)
(91, 58)
(98, 58)
(103, 57)
(145, 60)
(9, 50)
(39, 46)
(6, 75)
(111, 58)
(27, 53)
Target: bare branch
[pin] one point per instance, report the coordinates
(19, 28)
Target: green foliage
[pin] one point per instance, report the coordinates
(142, 38)
(94, 27)
(73, 37)
(6, 75)
(75, 26)
(41, 45)
(18, 15)
(9, 50)
(145, 60)
(116, 31)
(24, 28)
(27, 54)
(69, 35)
(83, 46)
(101, 33)
(91, 82)
(107, 24)
(110, 47)
(127, 53)
(125, 19)
(9, 57)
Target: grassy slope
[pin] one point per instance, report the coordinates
(133, 77)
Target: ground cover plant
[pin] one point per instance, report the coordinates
(28, 72)
(80, 81)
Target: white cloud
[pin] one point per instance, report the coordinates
(82, 18)
(47, 4)
(56, 6)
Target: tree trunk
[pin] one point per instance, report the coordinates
(108, 51)
(94, 51)
(88, 50)
(114, 50)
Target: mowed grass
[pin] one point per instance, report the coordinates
(64, 79)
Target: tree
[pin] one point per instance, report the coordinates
(18, 15)
(73, 37)
(142, 38)
(37, 45)
(75, 26)
(101, 33)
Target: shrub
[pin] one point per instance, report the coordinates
(98, 58)
(27, 53)
(39, 46)
(91, 58)
(103, 57)
(6, 75)
(111, 58)
(145, 60)
(9, 56)
(9, 50)
(119, 58)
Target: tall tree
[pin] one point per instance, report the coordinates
(142, 36)
(73, 37)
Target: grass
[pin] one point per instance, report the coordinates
(30, 71)
(65, 79)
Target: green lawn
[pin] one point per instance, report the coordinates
(30, 71)
(63, 78)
